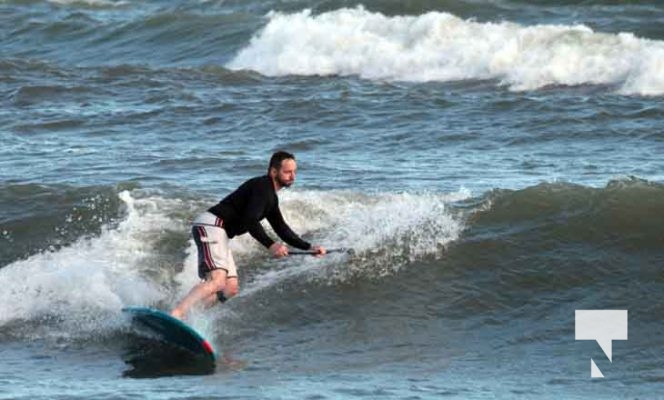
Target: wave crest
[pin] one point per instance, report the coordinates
(439, 46)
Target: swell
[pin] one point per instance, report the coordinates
(626, 214)
(107, 33)
(36, 218)
(552, 248)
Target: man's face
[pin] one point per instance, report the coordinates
(285, 175)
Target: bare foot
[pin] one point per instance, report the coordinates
(177, 314)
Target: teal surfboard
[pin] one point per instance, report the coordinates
(171, 330)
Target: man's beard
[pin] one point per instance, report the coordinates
(283, 183)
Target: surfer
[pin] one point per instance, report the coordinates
(238, 213)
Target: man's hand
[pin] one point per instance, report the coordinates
(319, 250)
(279, 250)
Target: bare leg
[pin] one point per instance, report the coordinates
(231, 289)
(201, 292)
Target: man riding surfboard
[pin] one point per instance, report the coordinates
(238, 213)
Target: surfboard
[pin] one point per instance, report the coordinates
(171, 331)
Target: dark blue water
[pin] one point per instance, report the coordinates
(495, 165)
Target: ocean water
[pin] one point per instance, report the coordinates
(495, 164)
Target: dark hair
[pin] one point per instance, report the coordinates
(277, 158)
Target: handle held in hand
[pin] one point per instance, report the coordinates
(344, 250)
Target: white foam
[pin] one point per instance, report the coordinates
(438, 46)
(84, 283)
(91, 276)
(389, 229)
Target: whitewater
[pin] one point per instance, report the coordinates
(441, 47)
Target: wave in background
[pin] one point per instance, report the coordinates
(439, 46)
(426, 41)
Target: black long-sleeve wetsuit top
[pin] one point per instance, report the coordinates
(243, 210)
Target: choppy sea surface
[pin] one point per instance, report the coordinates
(495, 164)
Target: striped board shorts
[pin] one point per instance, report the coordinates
(213, 245)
